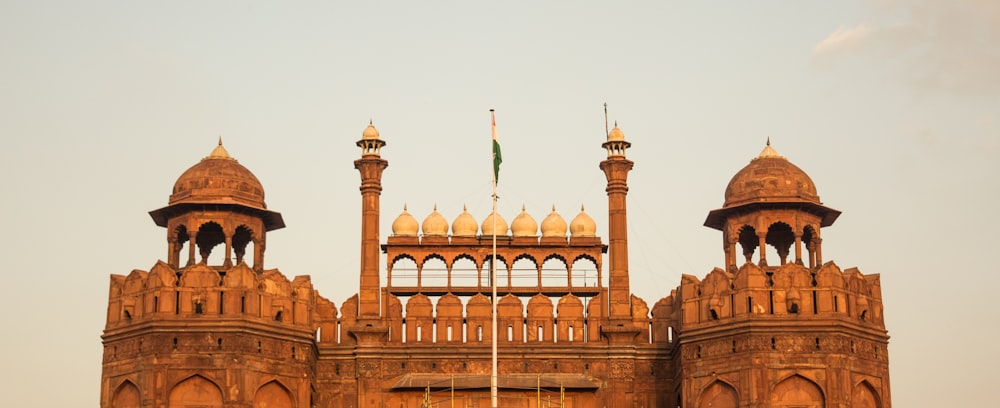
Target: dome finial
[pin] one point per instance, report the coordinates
(769, 151)
(219, 152)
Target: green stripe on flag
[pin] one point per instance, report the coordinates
(497, 159)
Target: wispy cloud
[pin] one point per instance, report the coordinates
(844, 38)
(949, 46)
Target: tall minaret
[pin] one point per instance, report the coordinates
(616, 168)
(370, 165)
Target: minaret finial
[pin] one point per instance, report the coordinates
(769, 140)
(606, 130)
(220, 139)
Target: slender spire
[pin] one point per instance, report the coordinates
(606, 130)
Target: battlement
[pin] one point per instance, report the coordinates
(201, 293)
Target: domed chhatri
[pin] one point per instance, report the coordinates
(616, 134)
(501, 225)
(435, 225)
(370, 133)
(554, 225)
(370, 143)
(218, 179)
(770, 178)
(465, 224)
(582, 225)
(524, 225)
(405, 225)
(770, 181)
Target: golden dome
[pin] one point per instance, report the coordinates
(616, 134)
(370, 132)
(554, 225)
(487, 227)
(405, 225)
(218, 179)
(524, 225)
(770, 178)
(583, 225)
(464, 225)
(435, 225)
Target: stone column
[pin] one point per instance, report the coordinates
(763, 248)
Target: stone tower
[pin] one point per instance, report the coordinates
(210, 332)
(781, 331)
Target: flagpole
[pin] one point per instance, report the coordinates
(493, 267)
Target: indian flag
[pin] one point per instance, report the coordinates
(497, 157)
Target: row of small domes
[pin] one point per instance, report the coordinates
(465, 225)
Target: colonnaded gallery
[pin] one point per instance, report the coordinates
(773, 327)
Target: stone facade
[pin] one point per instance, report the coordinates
(782, 331)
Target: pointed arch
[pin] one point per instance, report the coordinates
(865, 396)
(126, 396)
(402, 271)
(243, 237)
(797, 391)
(273, 395)
(195, 391)
(719, 394)
(748, 241)
(433, 271)
(780, 236)
(464, 270)
(585, 272)
(555, 271)
(210, 234)
(524, 271)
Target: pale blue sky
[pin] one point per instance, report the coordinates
(892, 107)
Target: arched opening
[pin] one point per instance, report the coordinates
(585, 273)
(209, 236)
(126, 396)
(748, 242)
(272, 395)
(180, 248)
(243, 244)
(402, 272)
(719, 395)
(195, 392)
(808, 239)
(434, 272)
(524, 272)
(555, 272)
(464, 271)
(797, 391)
(865, 396)
(781, 237)
(503, 277)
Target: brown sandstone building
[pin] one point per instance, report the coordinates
(776, 326)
